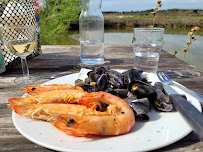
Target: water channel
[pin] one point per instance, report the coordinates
(173, 39)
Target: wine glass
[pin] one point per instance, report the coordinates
(20, 41)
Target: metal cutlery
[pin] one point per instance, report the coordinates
(191, 114)
(166, 80)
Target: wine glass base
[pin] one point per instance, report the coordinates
(26, 80)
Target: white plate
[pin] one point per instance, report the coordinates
(164, 128)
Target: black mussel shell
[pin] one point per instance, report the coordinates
(116, 78)
(151, 93)
(140, 106)
(142, 117)
(85, 86)
(162, 103)
(131, 75)
(137, 83)
(101, 83)
(100, 70)
(87, 80)
(140, 93)
(93, 76)
(114, 83)
(159, 85)
(122, 93)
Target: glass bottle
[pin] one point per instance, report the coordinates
(91, 25)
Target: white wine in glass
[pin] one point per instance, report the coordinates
(21, 41)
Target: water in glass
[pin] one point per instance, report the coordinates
(146, 57)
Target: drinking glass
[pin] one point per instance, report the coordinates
(20, 41)
(147, 45)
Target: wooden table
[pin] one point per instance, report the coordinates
(56, 61)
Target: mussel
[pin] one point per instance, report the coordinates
(162, 102)
(142, 117)
(100, 84)
(115, 79)
(122, 93)
(80, 84)
(141, 90)
(131, 75)
(139, 106)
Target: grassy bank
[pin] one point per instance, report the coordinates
(167, 19)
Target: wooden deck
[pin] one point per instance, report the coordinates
(57, 61)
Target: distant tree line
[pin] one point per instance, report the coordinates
(151, 10)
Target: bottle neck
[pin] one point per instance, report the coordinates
(91, 4)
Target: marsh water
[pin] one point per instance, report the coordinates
(173, 39)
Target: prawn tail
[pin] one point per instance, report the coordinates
(19, 110)
(68, 124)
(14, 101)
(23, 109)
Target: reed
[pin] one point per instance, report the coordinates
(188, 43)
(155, 13)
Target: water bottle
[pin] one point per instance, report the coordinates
(2, 67)
(91, 25)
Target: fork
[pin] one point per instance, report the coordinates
(192, 115)
(166, 80)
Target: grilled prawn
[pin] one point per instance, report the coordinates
(118, 118)
(57, 96)
(36, 89)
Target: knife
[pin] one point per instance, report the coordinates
(190, 113)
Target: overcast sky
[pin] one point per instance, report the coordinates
(140, 5)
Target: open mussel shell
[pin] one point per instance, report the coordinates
(159, 85)
(142, 117)
(162, 102)
(115, 78)
(136, 83)
(122, 93)
(139, 106)
(100, 70)
(85, 86)
(130, 76)
(101, 83)
(93, 76)
(142, 90)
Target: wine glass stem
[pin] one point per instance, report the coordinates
(25, 67)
